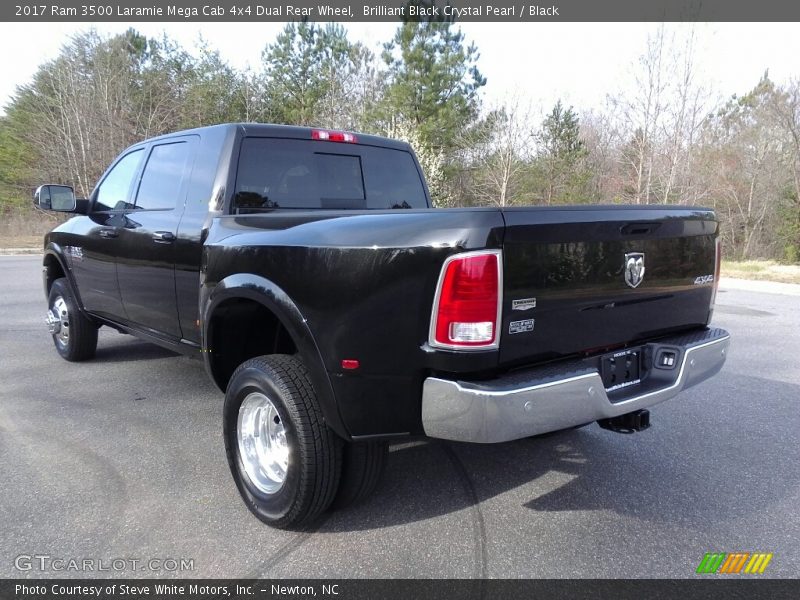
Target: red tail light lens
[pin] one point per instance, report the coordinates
(717, 268)
(333, 136)
(466, 310)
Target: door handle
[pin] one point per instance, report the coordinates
(108, 232)
(164, 237)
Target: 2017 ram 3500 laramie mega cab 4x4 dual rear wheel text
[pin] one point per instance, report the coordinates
(337, 310)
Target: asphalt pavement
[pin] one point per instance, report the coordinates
(122, 458)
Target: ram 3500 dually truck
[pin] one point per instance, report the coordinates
(337, 310)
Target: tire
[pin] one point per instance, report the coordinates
(288, 472)
(75, 337)
(362, 468)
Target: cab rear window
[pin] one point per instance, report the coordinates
(304, 174)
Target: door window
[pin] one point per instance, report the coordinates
(112, 194)
(162, 177)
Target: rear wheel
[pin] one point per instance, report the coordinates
(286, 462)
(362, 467)
(74, 335)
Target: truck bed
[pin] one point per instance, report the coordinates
(365, 281)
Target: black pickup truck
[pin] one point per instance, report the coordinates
(337, 310)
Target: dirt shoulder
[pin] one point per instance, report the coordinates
(23, 244)
(761, 270)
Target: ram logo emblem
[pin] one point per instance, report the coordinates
(634, 268)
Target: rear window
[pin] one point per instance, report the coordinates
(279, 173)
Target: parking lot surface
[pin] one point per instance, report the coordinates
(122, 457)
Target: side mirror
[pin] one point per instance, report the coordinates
(60, 198)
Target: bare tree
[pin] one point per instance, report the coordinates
(603, 141)
(686, 107)
(641, 117)
(503, 153)
(744, 163)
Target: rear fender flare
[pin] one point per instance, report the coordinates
(272, 297)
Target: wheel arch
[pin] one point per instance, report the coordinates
(243, 297)
(54, 266)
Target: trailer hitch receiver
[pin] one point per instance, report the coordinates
(628, 423)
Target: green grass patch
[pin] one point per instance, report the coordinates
(761, 270)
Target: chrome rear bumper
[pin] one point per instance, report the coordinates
(550, 398)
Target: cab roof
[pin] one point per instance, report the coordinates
(286, 132)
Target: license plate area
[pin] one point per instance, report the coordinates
(621, 369)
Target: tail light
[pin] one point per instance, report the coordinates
(717, 265)
(466, 308)
(326, 135)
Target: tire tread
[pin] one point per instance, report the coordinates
(362, 467)
(317, 442)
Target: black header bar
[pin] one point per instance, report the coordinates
(704, 587)
(396, 10)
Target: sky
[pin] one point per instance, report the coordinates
(579, 63)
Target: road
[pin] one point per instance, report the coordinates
(122, 457)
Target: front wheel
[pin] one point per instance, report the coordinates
(74, 335)
(286, 462)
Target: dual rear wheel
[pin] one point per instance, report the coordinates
(288, 465)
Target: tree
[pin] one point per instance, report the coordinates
(433, 82)
(102, 94)
(212, 91)
(786, 109)
(685, 107)
(602, 139)
(501, 156)
(642, 117)
(79, 111)
(432, 162)
(17, 166)
(313, 75)
(744, 156)
(561, 174)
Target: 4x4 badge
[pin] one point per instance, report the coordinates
(634, 268)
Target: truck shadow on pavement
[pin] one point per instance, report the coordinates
(702, 463)
(131, 350)
(683, 471)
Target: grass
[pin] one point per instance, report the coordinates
(761, 270)
(26, 228)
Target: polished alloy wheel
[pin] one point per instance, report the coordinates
(58, 321)
(262, 443)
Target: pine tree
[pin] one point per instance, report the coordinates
(433, 82)
(561, 151)
(310, 75)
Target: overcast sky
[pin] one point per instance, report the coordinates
(578, 62)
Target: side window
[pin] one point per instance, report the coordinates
(113, 192)
(162, 176)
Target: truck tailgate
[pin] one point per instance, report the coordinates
(587, 279)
